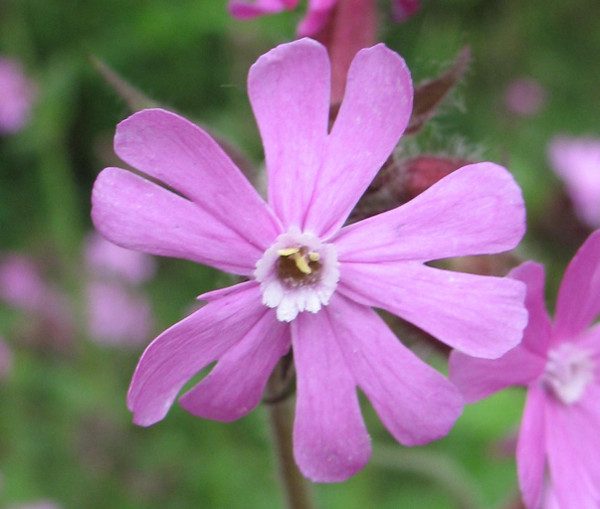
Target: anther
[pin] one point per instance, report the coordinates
(301, 263)
(313, 256)
(288, 251)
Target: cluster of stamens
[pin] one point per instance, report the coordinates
(297, 273)
(297, 266)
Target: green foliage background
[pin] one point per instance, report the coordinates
(65, 433)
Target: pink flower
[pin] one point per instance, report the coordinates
(16, 96)
(558, 362)
(117, 312)
(21, 285)
(23, 288)
(577, 162)
(312, 282)
(524, 97)
(318, 14)
(107, 260)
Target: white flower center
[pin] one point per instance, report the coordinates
(297, 273)
(569, 370)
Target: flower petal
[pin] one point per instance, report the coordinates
(477, 209)
(478, 378)
(536, 337)
(331, 442)
(289, 90)
(481, 316)
(415, 402)
(235, 385)
(578, 300)
(187, 347)
(576, 161)
(244, 9)
(373, 115)
(138, 214)
(178, 153)
(531, 448)
(571, 478)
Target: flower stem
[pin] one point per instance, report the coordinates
(297, 490)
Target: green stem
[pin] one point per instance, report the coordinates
(438, 467)
(297, 490)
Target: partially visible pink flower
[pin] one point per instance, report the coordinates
(311, 281)
(524, 97)
(23, 288)
(17, 94)
(558, 450)
(404, 9)
(317, 15)
(117, 311)
(577, 162)
(252, 8)
(107, 260)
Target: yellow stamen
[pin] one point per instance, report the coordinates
(288, 251)
(301, 263)
(313, 256)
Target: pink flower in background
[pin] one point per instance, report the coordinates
(107, 260)
(318, 14)
(404, 9)
(577, 162)
(117, 312)
(23, 288)
(559, 445)
(21, 285)
(311, 282)
(117, 315)
(17, 94)
(524, 97)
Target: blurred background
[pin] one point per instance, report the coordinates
(75, 314)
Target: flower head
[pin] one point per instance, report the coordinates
(558, 362)
(311, 281)
(16, 96)
(577, 162)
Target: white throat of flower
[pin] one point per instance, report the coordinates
(297, 273)
(569, 370)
